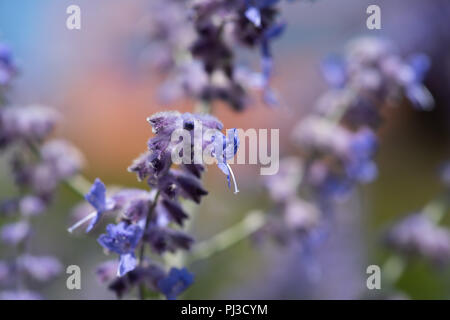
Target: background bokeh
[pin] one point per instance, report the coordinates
(101, 84)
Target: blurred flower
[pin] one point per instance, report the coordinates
(19, 295)
(284, 185)
(107, 271)
(64, 159)
(15, 233)
(122, 239)
(418, 235)
(175, 283)
(30, 123)
(30, 206)
(39, 268)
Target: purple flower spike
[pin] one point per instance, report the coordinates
(177, 281)
(122, 239)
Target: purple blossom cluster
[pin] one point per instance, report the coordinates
(418, 235)
(198, 51)
(38, 165)
(338, 140)
(155, 218)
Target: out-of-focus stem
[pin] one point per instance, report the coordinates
(229, 237)
(78, 184)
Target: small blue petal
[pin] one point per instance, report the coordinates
(97, 198)
(127, 263)
(334, 71)
(420, 63)
(224, 168)
(97, 195)
(254, 16)
(177, 281)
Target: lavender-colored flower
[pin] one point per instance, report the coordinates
(64, 159)
(15, 233)
(155, 164)
(175, 283)
(107, 271)
(284, 185)
(32, 123)
(418, 235)
(97, 198)
(122, 239)
(39, 268)
(30, 206)
(300, 215)
(7, 67)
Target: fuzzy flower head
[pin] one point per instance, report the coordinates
(33, 123)
(374, 69)
(419, 235)
(203, 134)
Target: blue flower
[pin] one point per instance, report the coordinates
(334, 71)
(225, 148)
(177, 281)
(122, 239)
(415, 91)
(254, 16)
(97, 198)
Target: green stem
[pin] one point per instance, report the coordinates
(226, 239)
(78, 184)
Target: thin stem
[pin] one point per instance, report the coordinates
(142, 249)
(229, 237)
